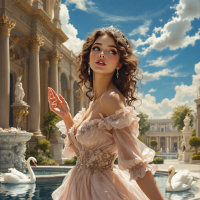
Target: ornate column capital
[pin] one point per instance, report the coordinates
(34, 43)
(6, 24)
(54, 57)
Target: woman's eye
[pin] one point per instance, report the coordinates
(94, 48)
(113, 52)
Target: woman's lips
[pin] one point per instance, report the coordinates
(100, 64)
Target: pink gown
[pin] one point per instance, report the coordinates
(94, 177)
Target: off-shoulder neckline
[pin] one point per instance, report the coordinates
(107, 117)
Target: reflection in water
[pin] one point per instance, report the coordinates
(183, 195)
(17, 190)
(43, 191)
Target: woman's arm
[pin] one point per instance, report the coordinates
(69, 123)
(150, 187)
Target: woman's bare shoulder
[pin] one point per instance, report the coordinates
(112, 98)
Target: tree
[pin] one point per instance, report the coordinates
(143, 124)
(195, 142)
(178, 115)
(153, 143)
(49, 124)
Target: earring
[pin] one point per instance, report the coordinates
(117, 74)
(88, 69)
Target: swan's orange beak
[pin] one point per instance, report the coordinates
(169, 173)
(35, 164)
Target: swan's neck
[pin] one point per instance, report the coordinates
(169, 180)
(32, 175)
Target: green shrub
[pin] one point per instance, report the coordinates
(153, 143)
(192, 150)
(196, 157)
(158, 160)
(70, 161)
(198, 153)
(195, 142)
(177, 155)
(49, 123)
(43, 160)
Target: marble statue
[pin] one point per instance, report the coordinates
(187, 123)
(19, 91)
(161, 149)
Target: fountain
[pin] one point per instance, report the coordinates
(13, 140)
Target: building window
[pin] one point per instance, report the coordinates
(152, 128)
(162, 129)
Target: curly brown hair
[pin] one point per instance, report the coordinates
(128, 80)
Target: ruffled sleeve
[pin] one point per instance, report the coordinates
(68, 152)
(133, 155)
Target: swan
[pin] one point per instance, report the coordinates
(180, 181)
(17, 177)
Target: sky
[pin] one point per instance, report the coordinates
(166, 39)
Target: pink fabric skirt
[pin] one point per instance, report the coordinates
(109, 185)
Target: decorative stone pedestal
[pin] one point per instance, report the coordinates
(187, 156)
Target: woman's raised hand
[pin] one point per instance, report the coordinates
(57, 104)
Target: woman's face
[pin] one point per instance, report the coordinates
(104, 56)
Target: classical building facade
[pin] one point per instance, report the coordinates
(164, 133)
(31, 45)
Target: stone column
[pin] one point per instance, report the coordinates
(34, 43)
(6, 24)
(170, 143)
(198, 117)
(46, 104)
(59, 79)
(54, 57)
(167, 142)
(177, 143)
(158, 142)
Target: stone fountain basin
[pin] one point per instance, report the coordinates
(12, 150)
(15, 137)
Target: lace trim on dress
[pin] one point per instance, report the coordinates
(140, 170)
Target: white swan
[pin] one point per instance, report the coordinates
(180, 181)
(17, 177)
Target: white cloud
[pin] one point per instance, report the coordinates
(152, 90)
(157, 75)
(141, 30)
(185, 94)
(160, 62)
(160, 20)
(73, 43)
(174, 34)
(81, 4)
(89, 6)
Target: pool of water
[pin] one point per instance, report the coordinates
(43, 191)
(43, 172)
(167, 156)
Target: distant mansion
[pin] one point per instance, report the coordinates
(164, 133)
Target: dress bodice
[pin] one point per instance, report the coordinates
(97, 148)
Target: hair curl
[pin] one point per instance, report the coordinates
(128, 81)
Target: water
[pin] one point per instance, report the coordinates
(43, 191)
(40, 172)
(167, 156)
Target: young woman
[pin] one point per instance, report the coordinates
(108, 128)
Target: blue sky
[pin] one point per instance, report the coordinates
(166, 38)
